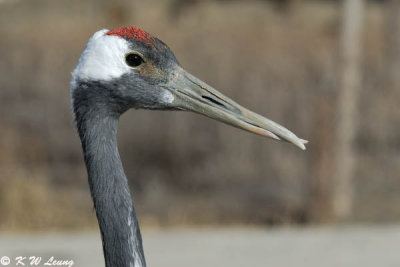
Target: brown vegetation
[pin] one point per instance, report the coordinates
(184, 168)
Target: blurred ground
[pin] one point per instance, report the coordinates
(355, 246)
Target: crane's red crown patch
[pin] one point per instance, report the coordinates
(132, 33)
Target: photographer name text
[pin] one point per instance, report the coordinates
(35, 261)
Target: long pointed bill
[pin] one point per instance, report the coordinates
(192, 94)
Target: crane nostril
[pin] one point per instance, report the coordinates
(213, 101)
(230, 108)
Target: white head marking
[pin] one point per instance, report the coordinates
(167, 97)
(102, 59)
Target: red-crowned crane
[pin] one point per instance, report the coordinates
(128, 68)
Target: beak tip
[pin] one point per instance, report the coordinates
(301, 144)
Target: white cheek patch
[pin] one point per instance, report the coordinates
(102, 59)
(167, 97)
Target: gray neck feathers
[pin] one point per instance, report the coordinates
(97, 127)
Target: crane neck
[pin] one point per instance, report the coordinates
(121, 237)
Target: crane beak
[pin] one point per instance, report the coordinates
(194, 95)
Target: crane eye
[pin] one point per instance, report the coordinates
(133, 60)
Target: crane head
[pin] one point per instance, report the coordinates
(132, 69)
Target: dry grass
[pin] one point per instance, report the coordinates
(184, 168)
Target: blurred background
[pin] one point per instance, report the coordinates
(328, 70)
(283, 59)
